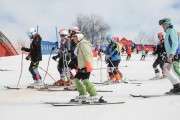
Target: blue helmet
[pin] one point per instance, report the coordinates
(110, 38)
(166, 21)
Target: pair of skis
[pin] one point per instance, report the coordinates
(74, 103)
(53, 89)
(150, 96)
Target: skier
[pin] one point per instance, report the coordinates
(34, 55)
(73, 62)
(143, 55)
(85, 66)
(146, 52)
(160, 60)
(172, 46)
(64, 58)
(128, 51)
(113, 59)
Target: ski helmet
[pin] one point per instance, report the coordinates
(166, 21)
(74, 28)
(109, 38)
(80, 36)
(63, 32)
(31, 32)
(161, 34)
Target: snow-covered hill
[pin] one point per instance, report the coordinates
(26, 104)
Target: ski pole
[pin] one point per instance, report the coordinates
(44, 71)
(48, 63)
(21, 69)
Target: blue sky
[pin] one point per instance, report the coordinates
(125, 17)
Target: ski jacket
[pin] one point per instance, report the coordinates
(142, 52)
(129, 51)
(35, 49)
(172, 42)
(84, 53)
(160, 50)
(113, 50)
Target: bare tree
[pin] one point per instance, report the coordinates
(93, 26)
(144, 38)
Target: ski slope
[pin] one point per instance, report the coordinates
(26, 104)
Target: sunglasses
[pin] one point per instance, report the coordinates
(63, 35)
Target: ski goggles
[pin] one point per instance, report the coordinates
(63, 35)
(161, 22)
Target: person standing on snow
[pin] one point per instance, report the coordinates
(73, 62)
(34, 55)
(128, 51)
(64, 58)
(172, 46)
(85, 66)
(143, 54)
(113, 59)
(160, 60)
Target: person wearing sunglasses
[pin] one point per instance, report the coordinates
(84, 55)
(35, 56)
(64, 58)
(172, 46)
(161, 57)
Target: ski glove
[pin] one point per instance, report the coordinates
(28, 57)
(54, 58)
(52, 48)
(23, 49)
(88, 67)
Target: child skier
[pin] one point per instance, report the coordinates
(34, 55)
(113, 59)
(172, 46)
(143, 55)
(160, 60)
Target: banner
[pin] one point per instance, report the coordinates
(46, 47)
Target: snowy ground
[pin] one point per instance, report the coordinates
(26, 104)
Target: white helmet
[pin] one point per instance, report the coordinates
(63, 32)
(31, 32)
(80, 36)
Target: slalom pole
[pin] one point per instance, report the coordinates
(21, 69)
(48, 63)
(44, 71)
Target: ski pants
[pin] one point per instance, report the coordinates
(113, 67)
(172, 70)
(33, 69)
(160, 63)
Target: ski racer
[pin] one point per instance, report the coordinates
(34, 55)
(160, 60)
(85, 66)
(64, 58)
(172, 46)
(113, 59)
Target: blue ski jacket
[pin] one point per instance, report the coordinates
(113, 50)
(172, 42)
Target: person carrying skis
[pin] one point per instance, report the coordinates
(113, 59)
(35, 56)
(85, 66)
(161, 57)
(64, 58)
(172, 46)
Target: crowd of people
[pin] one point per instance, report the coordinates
(75, 52)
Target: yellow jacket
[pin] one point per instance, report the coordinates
(84, 53)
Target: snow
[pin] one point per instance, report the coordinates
(26, 104)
